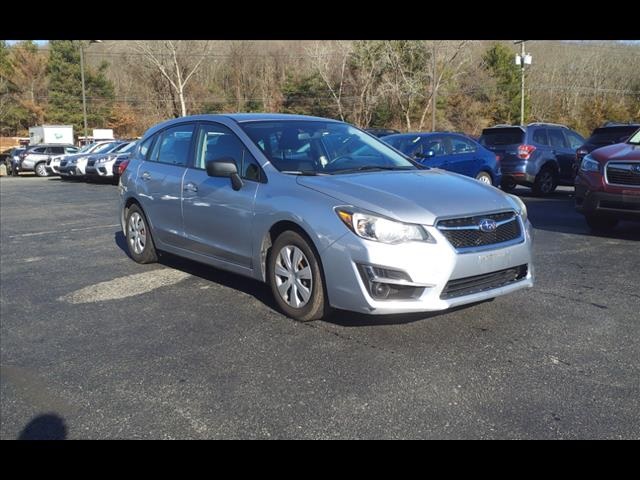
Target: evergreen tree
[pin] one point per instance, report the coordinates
(65, 89)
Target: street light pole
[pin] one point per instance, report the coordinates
(84, 97)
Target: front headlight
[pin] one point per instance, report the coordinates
(521, 208)
(589, 164)
(380, 229)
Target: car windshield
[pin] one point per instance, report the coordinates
(128, 147)
(86, 148)
(107, 147)
(317, 147)
(635, 138)
(610, 135)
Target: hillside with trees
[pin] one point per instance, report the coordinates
(405, 84)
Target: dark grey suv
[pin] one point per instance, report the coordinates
(538, 155)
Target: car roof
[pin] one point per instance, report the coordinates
(51, 145)
(239, 118)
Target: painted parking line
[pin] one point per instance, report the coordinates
(59, 232)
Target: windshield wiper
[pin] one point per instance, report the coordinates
(305, 173)
(370, 168)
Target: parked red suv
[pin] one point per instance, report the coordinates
(608, 184)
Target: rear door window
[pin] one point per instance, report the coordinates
(540, 136)
(461, 145)
(175, 145)
(438, 144)
(556, 138)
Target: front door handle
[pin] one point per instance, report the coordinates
(190, 187)
(146, 176)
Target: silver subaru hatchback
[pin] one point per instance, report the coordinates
(328, 215)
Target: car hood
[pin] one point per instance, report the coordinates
(617, 152)
(421, 196)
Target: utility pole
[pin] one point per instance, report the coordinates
(522, 60)
(84, 99)
(433, 88)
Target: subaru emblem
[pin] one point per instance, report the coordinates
(487, 225)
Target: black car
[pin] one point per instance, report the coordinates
(608, 134)
(381, 132)
(537, 155)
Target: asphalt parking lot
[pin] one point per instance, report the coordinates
(94, 345)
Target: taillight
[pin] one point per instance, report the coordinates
(525, 151)
(122, 167)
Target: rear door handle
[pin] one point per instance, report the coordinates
(146, 176)
(190, 187)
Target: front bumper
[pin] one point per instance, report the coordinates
(104, 169)
(430, 266)
(70, 171)
(624, 205)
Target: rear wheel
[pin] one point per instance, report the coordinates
(139, 241)
(296, 279)
(545, 182)
(41, 170)
(484, 177)
(599, 223)
(508, 185)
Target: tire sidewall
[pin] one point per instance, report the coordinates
(148, 254)
(554, 181)
(317, 305)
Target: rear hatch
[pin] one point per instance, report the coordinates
(504, 142)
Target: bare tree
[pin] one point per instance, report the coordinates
(331, 64)
(177, 61)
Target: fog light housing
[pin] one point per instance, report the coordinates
(387, 284)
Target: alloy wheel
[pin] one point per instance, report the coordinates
(137, 233)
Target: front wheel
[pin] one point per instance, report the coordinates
(296, 279)
(139, 241)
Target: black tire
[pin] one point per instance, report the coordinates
(546, 182)
(317, 306)
(508, 185)
(148, 252)
(600, 223)
(41, 170)
(484, 177)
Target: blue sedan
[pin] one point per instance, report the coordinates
(449, 151)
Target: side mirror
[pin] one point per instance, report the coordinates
(225, 167)
(428, 154)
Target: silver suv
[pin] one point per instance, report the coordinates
(34, 158)
(326, 214)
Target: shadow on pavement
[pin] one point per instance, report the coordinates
(45, 427)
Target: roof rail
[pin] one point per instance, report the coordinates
(548, 123)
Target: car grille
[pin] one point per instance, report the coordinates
(91, 163)
(623, 173)
(480, 283)
(466, 233)
(63, 163)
